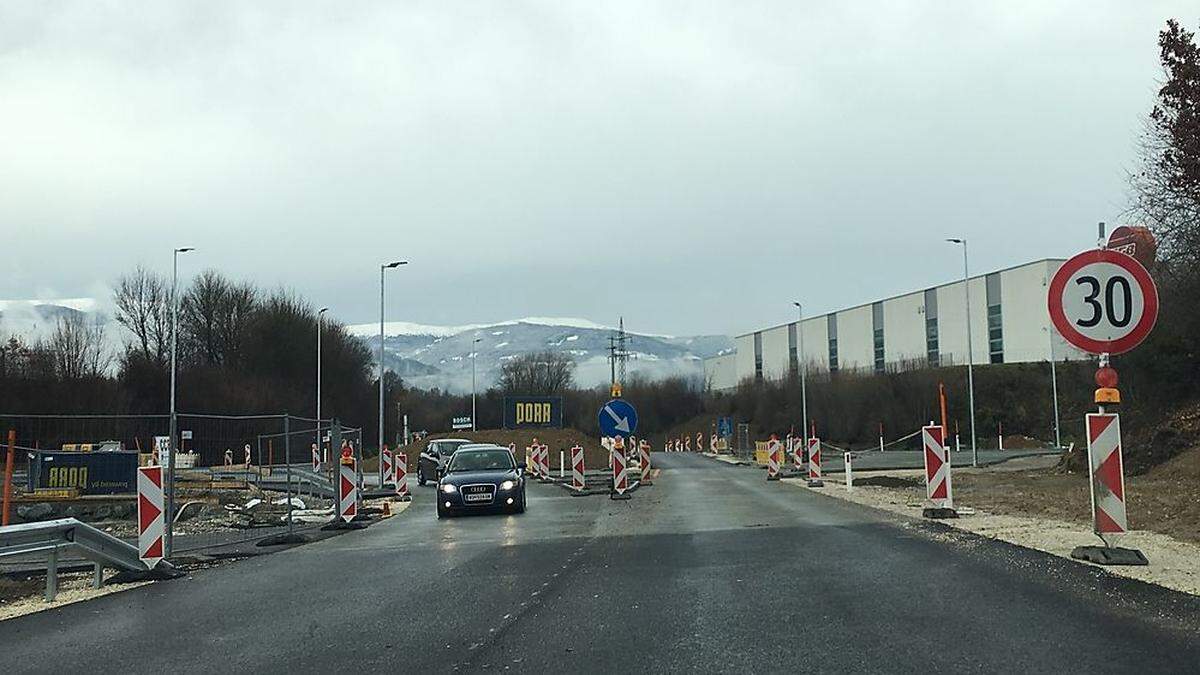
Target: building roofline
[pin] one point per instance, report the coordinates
(901, 295)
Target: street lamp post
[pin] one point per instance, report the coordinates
(382, 268)
(1054, 387)
(320, 325)
(169, 543)
(474, 426)
(801, 366)
(970, 351)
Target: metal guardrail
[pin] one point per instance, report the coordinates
(68, 534)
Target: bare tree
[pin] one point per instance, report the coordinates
(537, 374)
(77, 348)
(143, 307)
(1166, 191)
(214, 316)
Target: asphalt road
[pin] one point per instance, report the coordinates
(712, 570)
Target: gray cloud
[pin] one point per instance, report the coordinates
(693, 167)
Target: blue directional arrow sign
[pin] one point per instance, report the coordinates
(725, 427)
(618, 418)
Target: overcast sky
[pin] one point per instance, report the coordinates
(693, 166)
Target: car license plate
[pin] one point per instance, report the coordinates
(479, 497)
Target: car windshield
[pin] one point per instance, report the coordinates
(448, 447)
(481, 460)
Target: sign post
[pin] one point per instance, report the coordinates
(151, 524)
(400, 472)
(644, 460)
(814, 463)
(347, 487)
(774, 453)
(938, 492)
(578, 477)
(1104, 302)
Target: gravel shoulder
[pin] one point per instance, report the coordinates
(1035, 509)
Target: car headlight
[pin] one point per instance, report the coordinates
(507, 485)
(449, 488)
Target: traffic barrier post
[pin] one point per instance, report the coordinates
(798, 453)
(385, 467)
(1107, 471)
(347, 490)
(814, 463)
(316, 458)
(773, 455)
(545, 462)
(578, 478)
(644, 458)
(400, 469)
(938, 488)
(151, 521)
(562, 470)
(620, 479)
(848, 462)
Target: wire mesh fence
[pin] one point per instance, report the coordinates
(238, 478)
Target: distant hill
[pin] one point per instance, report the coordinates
(445, 351)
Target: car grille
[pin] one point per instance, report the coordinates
(478, 494)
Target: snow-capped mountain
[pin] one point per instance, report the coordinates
(445, 351)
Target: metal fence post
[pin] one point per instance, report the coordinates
(52, 575)
(287, 461)
(335, 449)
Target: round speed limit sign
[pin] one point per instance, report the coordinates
(1103, 301)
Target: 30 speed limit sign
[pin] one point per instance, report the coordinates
(1103, 301)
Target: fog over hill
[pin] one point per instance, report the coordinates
(429, 356)
(440, 356)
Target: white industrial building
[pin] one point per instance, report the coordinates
(1009, 324)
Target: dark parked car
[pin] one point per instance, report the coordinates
(480, 478)
(432, 461)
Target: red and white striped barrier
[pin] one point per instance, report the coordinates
(151, 523)
(797, 451)
(937, 467)
(678, 445)
(620, 476)
(687, 443)
(644, 459)
(774, 452)
(1105, 461)
(385, 467)
(246, 450)
(316, 458)
(712, 443)
(814, 462)
(545, 458)
(578, 479)
(699, 441)
(347, 492)
(228, 457)
(400, 475)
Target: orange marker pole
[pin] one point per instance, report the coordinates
(942, 399)
(8, 473)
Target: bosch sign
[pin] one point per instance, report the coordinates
(523, 412)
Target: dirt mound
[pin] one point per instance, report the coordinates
(1149, 445)
(1019, 442)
